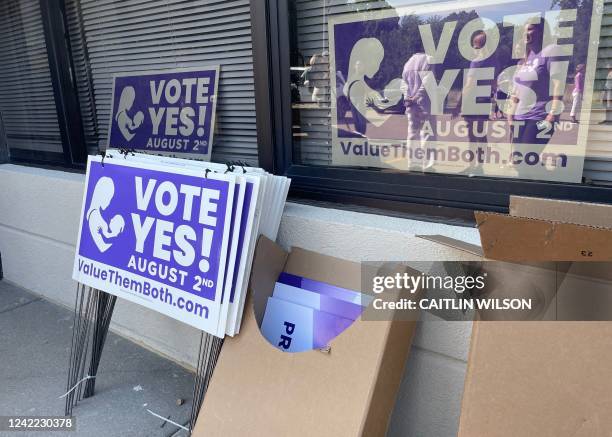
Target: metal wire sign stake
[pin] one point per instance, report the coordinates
(93, 311)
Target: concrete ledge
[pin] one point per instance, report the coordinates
(41, 202)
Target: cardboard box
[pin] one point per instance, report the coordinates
(541, 379)
(547, 230)
(258, 390)
(580, 213)
(544, 378)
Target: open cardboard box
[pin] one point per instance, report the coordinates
(541, 230)
(258, 390)
(543, 378)
(547, 230)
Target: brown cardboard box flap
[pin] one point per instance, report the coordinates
(508, 238)
(264, 273)
(454, 243)
(544, 379)
(579, 213)
(258, 390)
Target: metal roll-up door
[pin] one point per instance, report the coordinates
(140, 35)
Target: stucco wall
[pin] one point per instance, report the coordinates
(39, 211)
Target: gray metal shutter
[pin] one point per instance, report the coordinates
(138, 35)
(27, 104)
(314, 139)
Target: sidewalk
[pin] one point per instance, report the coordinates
(35, 337)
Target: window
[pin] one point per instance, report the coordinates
(110, 37)
(36, 96)
(59, 58)
(343, 114)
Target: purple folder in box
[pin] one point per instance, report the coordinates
(326, 289)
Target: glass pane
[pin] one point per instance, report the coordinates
(508, 89)
(82, 74)
(27, 105)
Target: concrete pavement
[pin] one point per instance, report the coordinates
(35, 338)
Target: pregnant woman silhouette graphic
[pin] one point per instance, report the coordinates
(367, 104)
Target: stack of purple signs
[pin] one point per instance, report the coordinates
(174, 235)
(304, 314)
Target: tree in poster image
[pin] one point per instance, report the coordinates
(581, 44)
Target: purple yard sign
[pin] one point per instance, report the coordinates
(157, 237)
(501, 89)
(171, 111)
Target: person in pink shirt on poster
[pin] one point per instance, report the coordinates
(577, 92)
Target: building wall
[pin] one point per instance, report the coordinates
(39, 213)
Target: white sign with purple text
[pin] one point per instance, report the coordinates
(157, 236)
(168, 111)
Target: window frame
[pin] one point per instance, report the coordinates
(61, 68)
(396, 191)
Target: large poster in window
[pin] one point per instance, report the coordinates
(499, 89)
